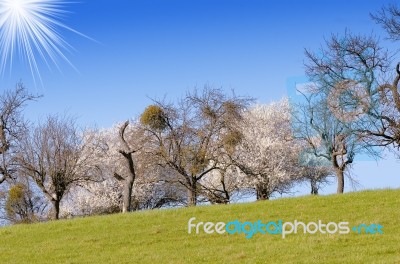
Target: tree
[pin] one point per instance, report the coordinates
(340, 100)
(315, 169)
(24, 205)
(158, 188)
(386, 130)
(383, 128)
(151, 187)
(94, 198)
(118, 157)
(127, 153)
(327, 137)
(267, 153)
(52, 156)
(187, 137)
(12, 126)
(151, 191)
(389, 18)
(222, 184)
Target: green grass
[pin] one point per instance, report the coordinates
(161, 236)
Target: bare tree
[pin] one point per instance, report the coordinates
(386, 130)
(384, 126)
(390, 117)
(12, 126)
(188, 137)
(326, 137)
(344, 76)
(389, 18)
(52, 157)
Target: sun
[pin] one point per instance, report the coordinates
(31, 31)
(17, 5)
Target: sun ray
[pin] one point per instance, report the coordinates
(30, 30)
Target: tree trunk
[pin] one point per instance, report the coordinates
(128, 182)
(314, 187)
(127, 193)
(192, 194)
(339, 170)
(219, 199)
(340, 179)
(262, 189)
(2, 179)
(55, 213)
(127, 153)
(262, 192)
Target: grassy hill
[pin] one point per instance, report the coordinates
(162, 236)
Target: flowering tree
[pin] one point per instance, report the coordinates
(94, 198)
(132, 179)
(116, 149)
(157, 187)
(106, 197)
(267, 153)
(222, 184)
(316, 170)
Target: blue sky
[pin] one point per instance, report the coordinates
(155, 48)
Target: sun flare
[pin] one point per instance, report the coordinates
(16, 6)
(30, 31)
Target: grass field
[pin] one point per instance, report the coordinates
(162, 236)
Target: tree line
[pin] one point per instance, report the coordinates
(210, 146)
